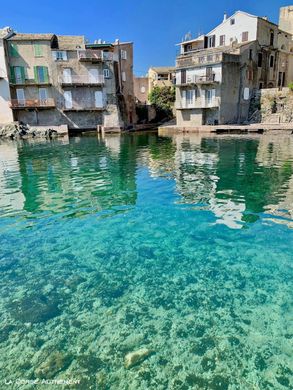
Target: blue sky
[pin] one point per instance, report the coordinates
(153, 25)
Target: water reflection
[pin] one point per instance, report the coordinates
(235, 178)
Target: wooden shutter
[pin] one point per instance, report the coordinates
(12, 74)
(22, 71)
(13, 50)
(206, 40)
(36, 74)
(46, 74)
(38, 50)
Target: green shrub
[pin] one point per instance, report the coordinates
(291, 86)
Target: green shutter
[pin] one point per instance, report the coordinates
(13, 50)
(46, 74)
(36, 74)
(38, 50)
(12, 74)
(22, 71)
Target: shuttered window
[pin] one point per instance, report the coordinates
(13, 50)
(38, 50)
(245, 36)
(17, 74)
(41, 74)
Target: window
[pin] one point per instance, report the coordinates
(190, 94)
(106, 73)
(68, 99)
(187, 47)
(259, 60)
(43, 94)
(17, 74)
(67, 76)
(210, 94)
(201, 60)
(123, 76)
(60, 55)
(142, 89)
(212, 41)
(41, 74)
(162, 76)
(272, 61)
(245, 36)
(20, 96)
(250, 54)
(232, 21)
(250, 75)
(246, 94)
(38, 50)
(222, 40)
(13, 50)
(99, 99)
(272, 38)
(123, 54)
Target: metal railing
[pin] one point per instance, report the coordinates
(32, 103)
(82, 79)
(94, 55)
(205, 79)
(198, 103)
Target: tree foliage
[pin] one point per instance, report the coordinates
(163, 99)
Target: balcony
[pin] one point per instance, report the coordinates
(32, 103)
(78, 107)
(94, 55)
(196, 80)
(198, 103)
(83, 80)
(29, 82)
(204, 57)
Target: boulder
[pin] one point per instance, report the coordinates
(137, 357)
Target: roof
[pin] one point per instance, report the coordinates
(70, 42)
(31, 37)
(200, 38)
(163, 69)
(98, 45)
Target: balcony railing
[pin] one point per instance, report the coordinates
(21, 81)
(84, 107)
(32, 103)
(82, 80)
(205, 79)
(94, 55)
(198, 103)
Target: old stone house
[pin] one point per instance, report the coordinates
(217, 74)
(59, 80)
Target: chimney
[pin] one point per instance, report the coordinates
(225, 16)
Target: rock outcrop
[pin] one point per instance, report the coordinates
(19, 130)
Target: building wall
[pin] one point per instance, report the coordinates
(286, 19)
(141, 89)
(154, 82)
(233, 32)
(6, 115)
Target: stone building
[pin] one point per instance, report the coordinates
(62, 80)
(163, 76)
(141, 89)
(217, 74)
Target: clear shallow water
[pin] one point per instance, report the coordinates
(180, 245)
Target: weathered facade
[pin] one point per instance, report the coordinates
(62, 80)
(218, 74)
(163, 76)
(141, 89)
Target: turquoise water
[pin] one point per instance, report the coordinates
(181, 245)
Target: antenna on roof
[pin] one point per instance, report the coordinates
(188, 36)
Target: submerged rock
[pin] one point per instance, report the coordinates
(55, 363)
(137, 357)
